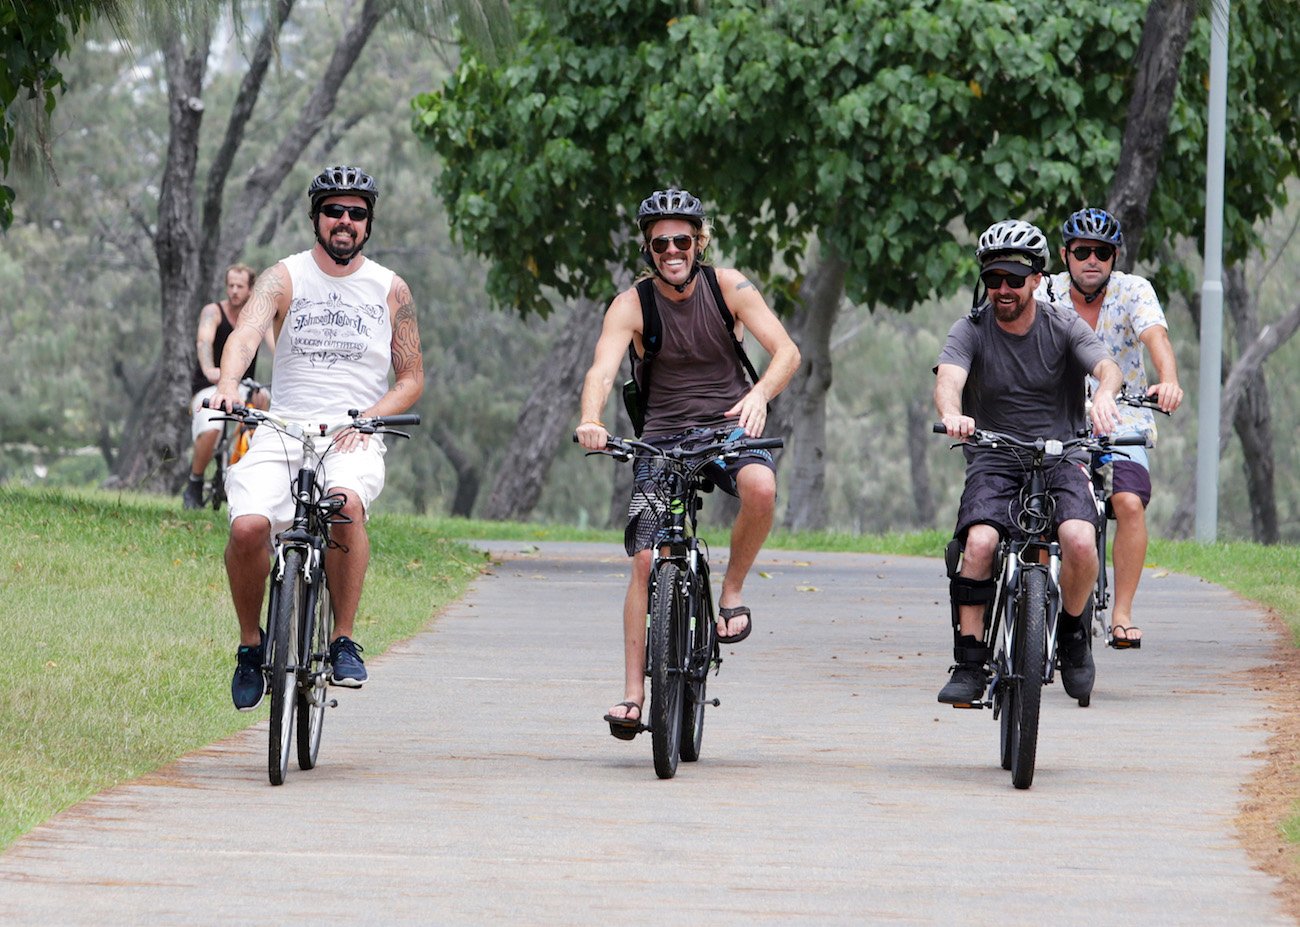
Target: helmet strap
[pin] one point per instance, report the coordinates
(1090, 298)
(654, 269)
(336, 257)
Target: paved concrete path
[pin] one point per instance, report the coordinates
(473, 782)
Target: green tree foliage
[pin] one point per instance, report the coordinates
(888, 128)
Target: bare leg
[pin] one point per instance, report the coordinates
(1078, 563)
(248, 563)
(1128, 554)
(756, 487)
(635, 604)
(203, 448)
(347, 571)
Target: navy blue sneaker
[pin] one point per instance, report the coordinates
(249, 685)
(349, 670)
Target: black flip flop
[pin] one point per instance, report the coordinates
(1125, 642)
(626, 728)
(726, 614)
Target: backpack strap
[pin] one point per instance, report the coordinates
(728, 320)
(652, 335)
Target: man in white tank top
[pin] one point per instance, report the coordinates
(340, 322)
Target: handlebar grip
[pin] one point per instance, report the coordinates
(939, 428)
(406, 418)
(1129, 441)
(761, 444)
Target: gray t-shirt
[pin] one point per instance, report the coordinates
(1031, 385)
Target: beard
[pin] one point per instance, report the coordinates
(1010, 312)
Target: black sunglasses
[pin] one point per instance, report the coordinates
(336, 211)
(993, 279)
(1103, 252)
(680, 242)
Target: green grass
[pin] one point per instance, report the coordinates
(119, 636)
(118, 630)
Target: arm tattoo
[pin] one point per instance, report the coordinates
(407, 359)
(743, 284)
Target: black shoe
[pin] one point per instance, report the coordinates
(192, 497)
(966, 685)
(249, 685)
(349, 669)
(1074, 655)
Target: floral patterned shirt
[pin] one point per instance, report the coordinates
(1129, 308)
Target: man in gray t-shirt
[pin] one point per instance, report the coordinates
(1018, 367)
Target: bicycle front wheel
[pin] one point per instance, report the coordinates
(312, 696)
(284, 663)
(1029, 658)
(701, 636)
(668, 630)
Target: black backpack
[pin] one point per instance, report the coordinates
(636, 395)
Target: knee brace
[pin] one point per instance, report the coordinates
(963, 591)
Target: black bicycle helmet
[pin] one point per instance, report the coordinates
(341, 180)
(670, 204)
(1093, 224)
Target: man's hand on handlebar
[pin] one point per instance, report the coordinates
(592, 436)
(958, 426)
(1168, 396)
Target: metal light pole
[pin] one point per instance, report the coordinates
(1207, 450)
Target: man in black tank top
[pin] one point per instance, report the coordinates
(216, 322)
(697, 383)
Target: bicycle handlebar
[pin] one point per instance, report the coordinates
(1140, 401)
(377, 424)
(626, 448)
(992, 439)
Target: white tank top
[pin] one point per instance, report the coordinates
(335, 346)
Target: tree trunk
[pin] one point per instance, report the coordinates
(1253, 416)
(262, 183)
(800, 411)
(1251, 361)
(241, 112)
(1155, 81)
(547, 418)
(469, 470)
(153, 456)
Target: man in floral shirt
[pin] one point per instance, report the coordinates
(1124, 312)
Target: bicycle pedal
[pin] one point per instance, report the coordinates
(969, 705)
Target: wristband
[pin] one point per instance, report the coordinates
(592, 421)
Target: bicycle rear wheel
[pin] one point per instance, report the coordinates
(702, 635)
(284, 664)
(668, 629)
(312, 694)
(1029, 657)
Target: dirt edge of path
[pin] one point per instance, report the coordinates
(1271, 792)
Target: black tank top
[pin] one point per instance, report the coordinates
(200, 380)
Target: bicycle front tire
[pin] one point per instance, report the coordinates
(312, 694)
(668, 628)
(284, 663)
(1029, 660)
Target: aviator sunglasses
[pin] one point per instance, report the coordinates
(1083, 252)
(993, 280)
(336, 211)
(680, 242)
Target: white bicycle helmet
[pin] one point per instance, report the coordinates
(1011, 238)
